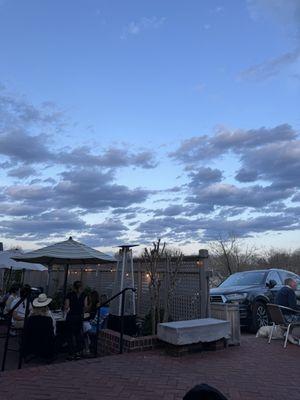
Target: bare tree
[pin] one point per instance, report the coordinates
(285, 259)
(152, 258)
(162, 266)
(173, 263)
(227, 253)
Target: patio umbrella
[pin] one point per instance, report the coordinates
(7, 262)
(68, 252)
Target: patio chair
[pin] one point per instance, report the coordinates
(38, 338)
(277, 317)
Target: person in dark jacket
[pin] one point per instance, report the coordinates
(75, 305)
(287, 297)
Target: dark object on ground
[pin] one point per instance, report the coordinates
(182, 350)
(253, 290)
(130, 326)
(146, 328)
(204, 392)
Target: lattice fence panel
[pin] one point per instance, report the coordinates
(184, 303)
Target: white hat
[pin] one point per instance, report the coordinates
(41, 301)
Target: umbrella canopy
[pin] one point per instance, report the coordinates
(68, 252)
(7, 261)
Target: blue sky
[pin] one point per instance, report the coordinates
(132, 120)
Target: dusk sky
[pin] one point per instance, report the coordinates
(131, 120)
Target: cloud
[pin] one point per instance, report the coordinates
(245, 175)
(172, 210)
(41, 226)
(22, 140)
(271, 67)
(134, 28)
(17, 112)
(115, 227)
(200, 87)
(204, 176)
(201, 148)
(174, 228)
(20, 209)
(19, 146)
(111, 158)
(29, 192)
(22, 172)
(80, 184)
(284, 12)
(180, 229)
(94, 190)
(278, 163)
(223, 194)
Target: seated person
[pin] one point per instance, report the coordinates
(102, 315)
(93, 303)
(19, 313)
(286, 297)
(39, 330)
(12, 295)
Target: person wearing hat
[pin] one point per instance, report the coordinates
(39, 329)
(40, 307)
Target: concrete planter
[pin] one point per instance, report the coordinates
(229, 312)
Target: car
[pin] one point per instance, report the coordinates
(252, 290)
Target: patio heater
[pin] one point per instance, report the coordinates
(124, 278)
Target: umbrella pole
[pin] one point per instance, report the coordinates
(23, 276)
(48, 278)
(65, 285)
(2, 280)
(8, 279)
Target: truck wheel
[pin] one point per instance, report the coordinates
(260, 316)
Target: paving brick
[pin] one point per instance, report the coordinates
(254, 370)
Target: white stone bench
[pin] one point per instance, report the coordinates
(203, 330)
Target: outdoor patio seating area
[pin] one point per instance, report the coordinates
(135, 355)
(254, 370)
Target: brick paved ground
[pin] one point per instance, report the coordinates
(255, 370)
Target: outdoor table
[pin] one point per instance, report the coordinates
(59, 316)
(61, 329)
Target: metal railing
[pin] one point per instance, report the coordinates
(122, 293)
(9, 325)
